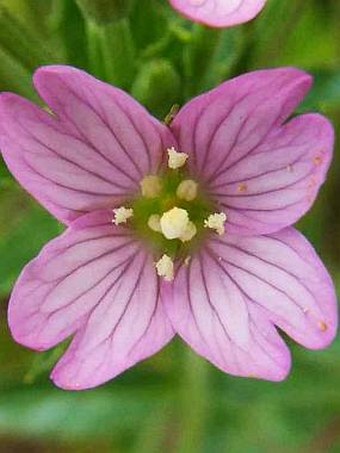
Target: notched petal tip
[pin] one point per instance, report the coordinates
(8, 102)
(230, 301)
(270, 174)
(68, 382)
(69, 290)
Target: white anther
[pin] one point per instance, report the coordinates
(174, 223)
(216, 222)
(189, 233)
(121, 215)
(154, 223)
(165, 268)
(151, 186)
(176, 159)
(187, 190)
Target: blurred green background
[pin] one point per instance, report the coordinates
(174, 402)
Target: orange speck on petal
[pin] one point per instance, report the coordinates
(312, 182)
(317, 160)
(242, 187)
(322, 326)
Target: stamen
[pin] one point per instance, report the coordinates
(216, 222)
(189, 233)
(151, 186)
(165, 268)
(176, 159)
(154, 223)
(187, 190)
(187, 261)
(121, 215)
(174, 223)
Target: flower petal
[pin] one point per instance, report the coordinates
(97, 280)
(264, 174)
(226, 302)
(91, 154)
(273, 187)
(219, 13)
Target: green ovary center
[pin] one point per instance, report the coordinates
(171, 215)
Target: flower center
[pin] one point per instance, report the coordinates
(171, 215)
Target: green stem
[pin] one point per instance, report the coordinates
(153, 433)
(94, 50)
(119, 53)
(194, 397)
(198, 56)
(68, 29)
(111, 52)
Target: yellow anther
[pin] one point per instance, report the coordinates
(189, 233)
(165, 268)
(151, 186)
(154, 223)
(121, 215)
(176, 159)
(216, 222)
(187, 190)
(174, 223)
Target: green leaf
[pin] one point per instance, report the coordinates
(67, 25)
(14, 77)
(325, 93)
(104, 11)
(23, 44)
(86, 415)
(148, 23)
(24, 228)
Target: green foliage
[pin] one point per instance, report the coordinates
(157, 86)
(24, 228)
(104, 11)
(174, 401)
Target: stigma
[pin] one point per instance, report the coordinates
(174, 223)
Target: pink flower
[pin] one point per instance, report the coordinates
(108, 280)
(219, 13)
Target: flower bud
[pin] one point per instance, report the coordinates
(157, 86)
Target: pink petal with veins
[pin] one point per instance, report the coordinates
(95, 280)
(263, 171)
(228, 300)
(91, 154)
(219, 13)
